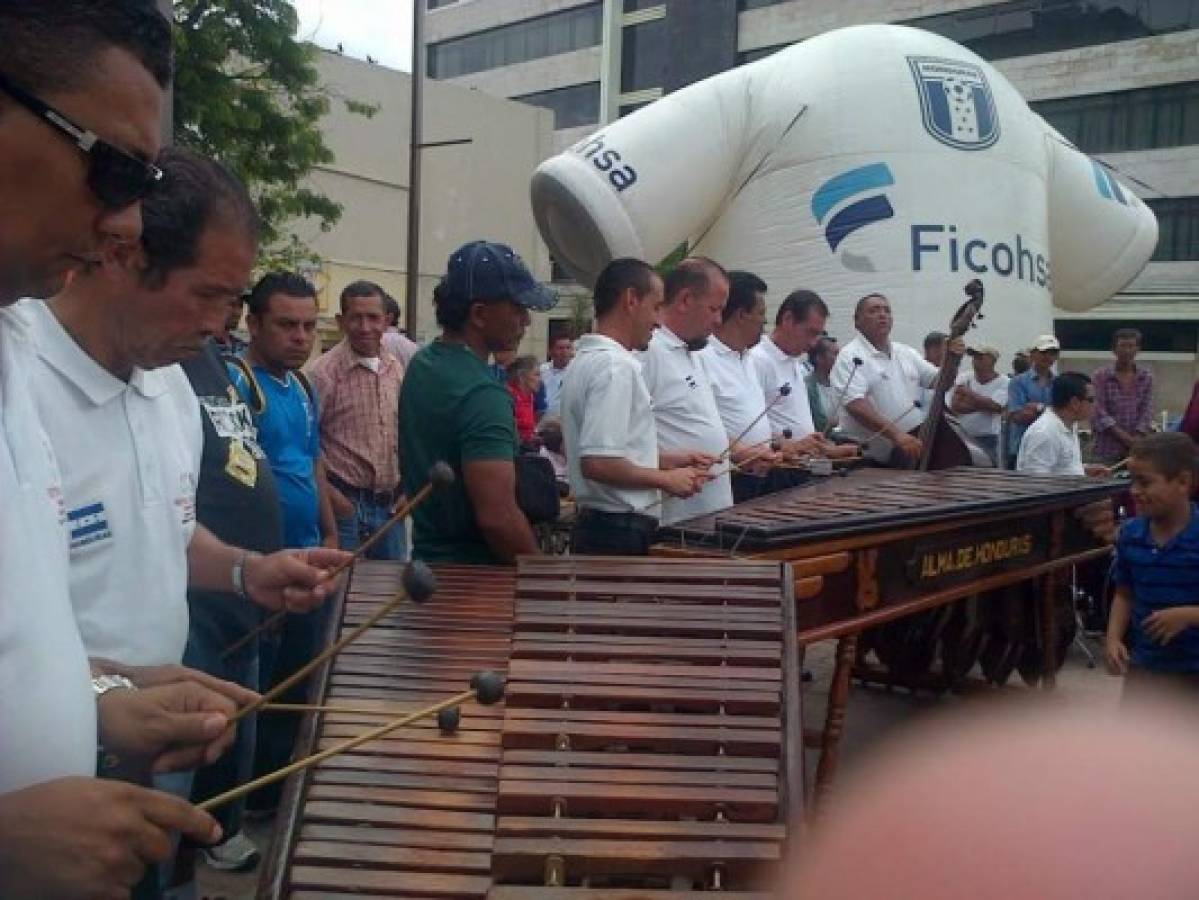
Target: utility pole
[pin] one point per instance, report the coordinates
(416, 141)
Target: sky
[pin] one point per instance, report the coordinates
(381, 29)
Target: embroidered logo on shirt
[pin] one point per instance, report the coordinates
(691, 382)
(89, 525)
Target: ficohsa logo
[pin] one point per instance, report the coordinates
(856, 199)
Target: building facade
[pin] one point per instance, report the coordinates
(1119, 78)
(474, 184)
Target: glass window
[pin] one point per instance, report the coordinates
(1143, 119)
(572, 106)
(438, 4)
(756, 4)
(643, 56)
(748, 56)
(635, 5)
(628, 108)
(1025, 27)
(560, 32)
(1158, 336)
(1178, 228)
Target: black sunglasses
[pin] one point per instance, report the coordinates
(116, 178)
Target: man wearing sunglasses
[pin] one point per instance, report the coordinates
(80, 104)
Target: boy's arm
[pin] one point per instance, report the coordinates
(324, 491)
(1164, 625)
(1117, 626)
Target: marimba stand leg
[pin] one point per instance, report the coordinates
(1049, 604)
(834, 718)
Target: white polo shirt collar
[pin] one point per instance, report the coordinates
(59, 350)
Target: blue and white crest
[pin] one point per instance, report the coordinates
(956, 102)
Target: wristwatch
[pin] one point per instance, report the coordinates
(102, 684)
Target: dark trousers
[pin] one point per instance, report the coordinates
(747, 487)
(598, 533)
(298, 641)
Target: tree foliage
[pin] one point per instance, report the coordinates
(249, 94)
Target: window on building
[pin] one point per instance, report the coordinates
(637, 5)
(748, 56)
(1145, 119)
(643, 56)
(628, 108)
(1178, 228)
(1025, 27)
(438, 4)
(560, 32)
(756, 4)
(572, 106)
(1158, 336)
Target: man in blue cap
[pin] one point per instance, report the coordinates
(452, 409)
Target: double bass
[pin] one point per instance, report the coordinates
(943, 442)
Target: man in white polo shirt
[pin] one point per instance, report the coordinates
(78, 121)
(614, 466)
(684, 406)
(126, 425)
(1050, 445)
(882, 392)
(735, 385)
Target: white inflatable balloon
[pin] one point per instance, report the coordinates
(874, 158)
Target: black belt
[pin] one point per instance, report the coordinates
(380, 498)
(625, 519)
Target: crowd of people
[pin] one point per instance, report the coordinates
(168, 485)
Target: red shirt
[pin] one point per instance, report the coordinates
(526, 419)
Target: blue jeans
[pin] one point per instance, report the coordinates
(368, 517)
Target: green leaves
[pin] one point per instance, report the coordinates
(249, 94)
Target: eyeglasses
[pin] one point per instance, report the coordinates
(116, 178)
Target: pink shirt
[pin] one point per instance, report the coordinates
(359, 417)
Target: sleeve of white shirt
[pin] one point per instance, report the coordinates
(606, 403)
(847, 385)
(1037, 454)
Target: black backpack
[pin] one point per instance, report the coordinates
(536, 488)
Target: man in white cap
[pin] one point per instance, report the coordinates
(979, 399)
(1029, 393)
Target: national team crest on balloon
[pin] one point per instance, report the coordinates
(956, 102)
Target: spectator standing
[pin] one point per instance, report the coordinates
(562, 351)
(1156, 570)
(454, 410)
(1020, 363)
(934, 355)
(282, 322)
(1123, 400)
(979, 399)
(822, 399)
(524, 380)
(357, 386)
(395, 341)
(1030, 393)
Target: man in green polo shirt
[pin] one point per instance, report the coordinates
(452, 409)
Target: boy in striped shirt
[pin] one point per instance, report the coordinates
(1157, 569)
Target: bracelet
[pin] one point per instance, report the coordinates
(102, 684)
(238, 574)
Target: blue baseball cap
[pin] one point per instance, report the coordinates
(482, 270)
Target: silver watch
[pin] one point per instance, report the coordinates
(102, 684)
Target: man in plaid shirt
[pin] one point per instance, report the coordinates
(1123, 400)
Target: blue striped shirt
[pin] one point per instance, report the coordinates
(1160, 577)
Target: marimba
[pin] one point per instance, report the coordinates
(649, 744)
(884, 553)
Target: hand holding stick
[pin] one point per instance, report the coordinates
(419, 584)
(784, 391)
(486, 687)
(440, 475)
